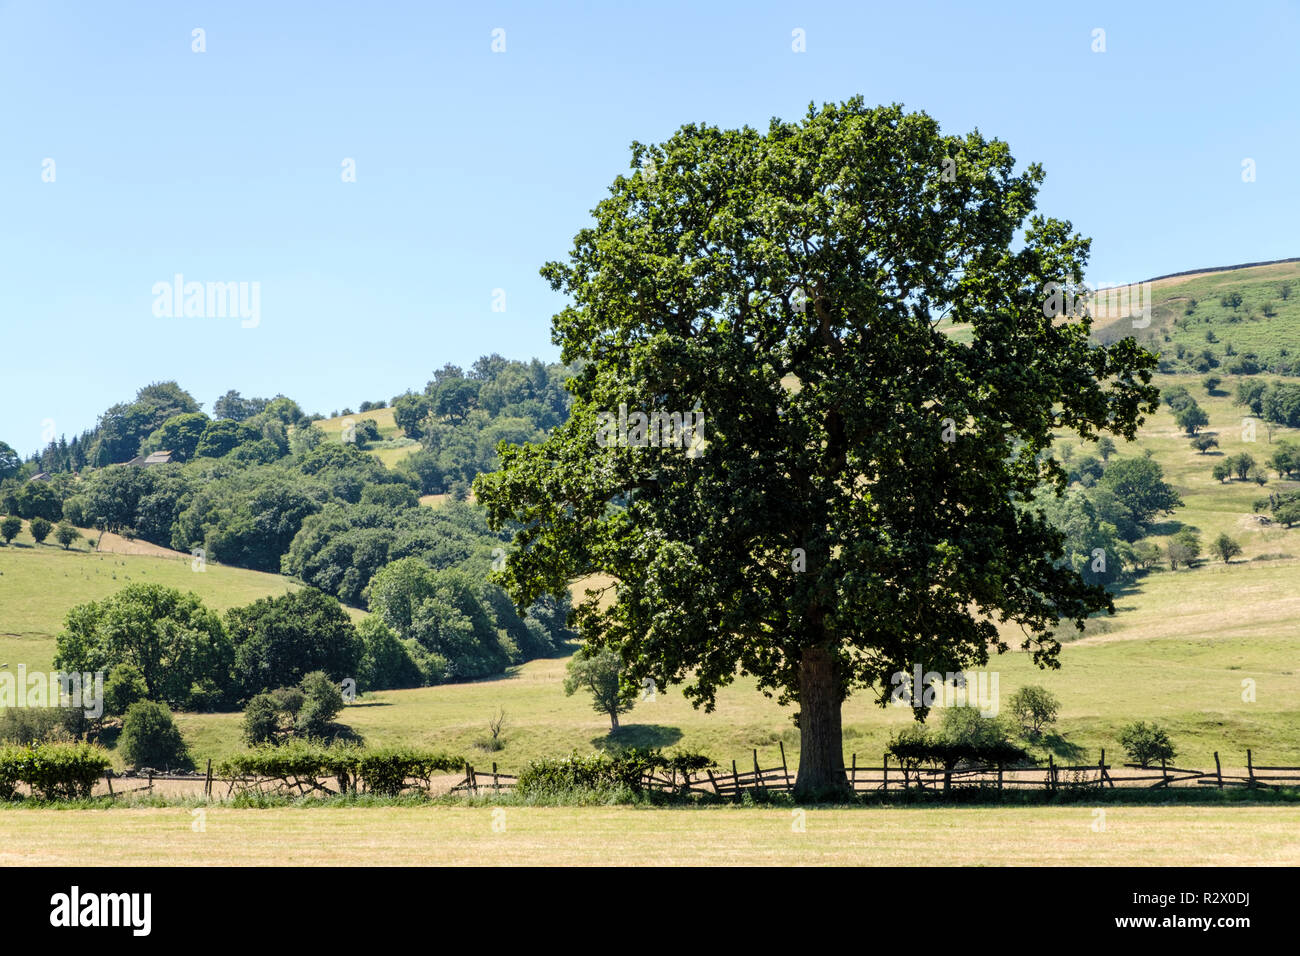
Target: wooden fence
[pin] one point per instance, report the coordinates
(896, 778)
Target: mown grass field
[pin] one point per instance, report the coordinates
(634, 836)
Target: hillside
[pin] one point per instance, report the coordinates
(40, 583)
(1214, 320)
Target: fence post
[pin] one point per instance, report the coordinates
(886, 782)
(1164, 772)
(1051, 773)
(1101, 770)
(735, 778)
(1218, 770)
(108, 776)
(1250, 768)
(758, 774)
(207, 786)
(496, 788)
(784, 769)
(999, 776)
(717, 791)
(853, 773)
(150, 781)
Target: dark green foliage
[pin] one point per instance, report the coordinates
(279, 640)
(39, 499)
(150, 738)
(818, 252)
(10, 526)
(179, 646)
(1139, 485)
(124, 687)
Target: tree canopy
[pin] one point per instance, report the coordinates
(864, 497)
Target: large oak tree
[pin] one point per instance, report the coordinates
(864, 501)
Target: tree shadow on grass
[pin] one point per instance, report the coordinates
(638, 735)
(1162, 528)
(1060, 747)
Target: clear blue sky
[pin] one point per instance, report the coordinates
(474, 168)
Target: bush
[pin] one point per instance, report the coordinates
(39, 528)
(603, 773)
(261, 720)
(53, 771)
(34, 725)
(322, 701)
(386, 771)
(151, 739)
(1146, 743)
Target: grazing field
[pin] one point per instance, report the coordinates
(393, 445)
(633, 836)
(40, 583)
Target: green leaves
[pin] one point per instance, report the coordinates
(790, 285)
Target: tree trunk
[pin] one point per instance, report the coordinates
(821, 747)
(613, 721)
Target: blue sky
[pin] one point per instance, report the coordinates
(473, 168)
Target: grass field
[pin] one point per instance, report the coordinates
(39, 584)
(633, 836)
(392, 447)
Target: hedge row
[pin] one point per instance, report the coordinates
(626, 770)
(53, 771)
(306, 764)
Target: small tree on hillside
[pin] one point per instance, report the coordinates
(1192, 419)
(10, 527)
(1146, 743)
(1184, 548)
(1204, 443)
(1224, 547)
(65, 534)
(40, 528)
(598, 672)
(1034, 707)
(1105, 447)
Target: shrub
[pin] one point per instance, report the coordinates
(53, 771)
(65, 534)
(39, 528)
(322, 701)
(261, 720)
(150, 738)
(10, 527)
(1146, 743)
(623, 771)
(34, 725)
